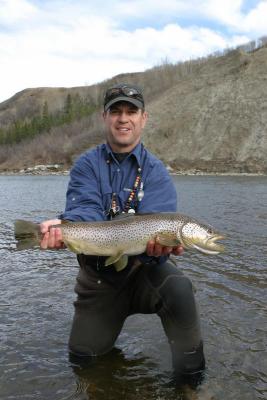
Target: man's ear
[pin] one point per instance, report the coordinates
(145, 117)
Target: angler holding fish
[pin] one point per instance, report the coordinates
(124, 262)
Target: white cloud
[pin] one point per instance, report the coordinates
(255, 21)
(15, 11)
(141, 8)
(73, 43)
(226, 12)
(230, 14)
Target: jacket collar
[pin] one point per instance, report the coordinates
(136, 152)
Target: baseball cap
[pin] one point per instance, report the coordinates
(124, 92)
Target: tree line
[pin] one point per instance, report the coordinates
(75, 108)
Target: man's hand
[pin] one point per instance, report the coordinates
(52, 237)
(154, 249)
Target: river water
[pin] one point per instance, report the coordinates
(37, 294)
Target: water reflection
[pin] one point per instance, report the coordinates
(114, 376)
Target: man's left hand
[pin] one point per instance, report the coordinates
(154, 249)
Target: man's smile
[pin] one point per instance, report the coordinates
(123, 129)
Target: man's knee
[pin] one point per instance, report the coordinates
(157, 274)
(93, 334)
(177, 293)
(179, 312)
(170, 282)
(175, 290)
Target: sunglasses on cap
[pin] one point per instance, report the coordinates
(123, 92)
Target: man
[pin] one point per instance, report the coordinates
(122, 176)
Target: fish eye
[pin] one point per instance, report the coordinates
(210, 231)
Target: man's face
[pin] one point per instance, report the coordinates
(124, 123)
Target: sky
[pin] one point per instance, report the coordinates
(68, 43)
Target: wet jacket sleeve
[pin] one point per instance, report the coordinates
(159, 196)
(83, 199)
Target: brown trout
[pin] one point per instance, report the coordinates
(123, 237)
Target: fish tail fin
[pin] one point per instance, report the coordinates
(27, 234)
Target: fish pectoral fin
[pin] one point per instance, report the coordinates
(167, 239)
(186, 243)
(119, 260)
(121, 263)
(113, 259)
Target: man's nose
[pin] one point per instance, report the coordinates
(123, 117)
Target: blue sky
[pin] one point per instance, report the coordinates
(78, 42)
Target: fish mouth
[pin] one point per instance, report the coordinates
(209, 246)
(213, 245)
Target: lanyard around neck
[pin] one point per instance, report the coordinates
(130, 205)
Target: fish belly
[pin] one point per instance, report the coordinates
(85, 247)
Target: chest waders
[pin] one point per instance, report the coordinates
(107, 297)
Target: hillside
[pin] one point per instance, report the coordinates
(205, 115)
(216, 119)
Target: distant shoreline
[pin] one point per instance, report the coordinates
(172, 173)
(58, 169)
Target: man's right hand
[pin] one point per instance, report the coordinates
(52, 237)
